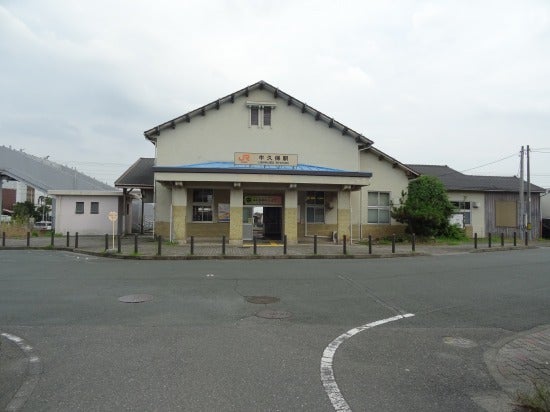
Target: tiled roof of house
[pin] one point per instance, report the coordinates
(455, 180)
(43, 174)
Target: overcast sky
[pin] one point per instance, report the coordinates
(462, 83)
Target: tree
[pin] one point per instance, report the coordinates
(425, 207)
(23, 211)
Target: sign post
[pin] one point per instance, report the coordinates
(113, 216)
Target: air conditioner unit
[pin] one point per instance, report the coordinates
(475, 205)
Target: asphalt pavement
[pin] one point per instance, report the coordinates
(479, 332)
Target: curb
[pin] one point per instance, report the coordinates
(255, 257)
(511, 387)
(34, 370)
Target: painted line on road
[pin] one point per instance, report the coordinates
(327, 372)
(34, 370)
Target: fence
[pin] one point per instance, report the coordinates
(147, 246)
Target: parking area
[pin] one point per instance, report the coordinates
(252, 334)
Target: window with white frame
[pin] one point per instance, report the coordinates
(315, 207)
(79, 208)
(94, 208)
(379, 207)
(202, 205)
(260, 114)
(464, 208)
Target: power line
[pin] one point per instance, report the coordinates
(490, 163)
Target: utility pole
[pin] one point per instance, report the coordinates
(521, 197)
(529, 226)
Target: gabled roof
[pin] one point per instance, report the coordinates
(153, 133)
(139, 175)
(454, 180)
(43, 174)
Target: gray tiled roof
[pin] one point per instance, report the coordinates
(139, 175)
(43, 174)
(454, 180)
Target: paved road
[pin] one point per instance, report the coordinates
(199, 346)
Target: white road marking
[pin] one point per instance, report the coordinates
(34, 371)
(327, 373)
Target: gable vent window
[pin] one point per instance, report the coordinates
(260, 114)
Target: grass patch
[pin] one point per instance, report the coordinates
(536, 401)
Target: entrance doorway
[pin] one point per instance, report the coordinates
(273, 223)
(268, 222)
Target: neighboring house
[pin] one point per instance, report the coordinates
(87, 211)
(260, 150)
(488, 204)
(37, 175)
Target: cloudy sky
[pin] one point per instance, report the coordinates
(462, 83)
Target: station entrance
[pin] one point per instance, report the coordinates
(263, 217)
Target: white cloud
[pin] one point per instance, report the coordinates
(470, 81)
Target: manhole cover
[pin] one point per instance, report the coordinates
(459, 342)
(262, 300)
(273, 314)
(136, 298)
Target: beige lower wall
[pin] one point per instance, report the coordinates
(162, 229)
(208, 230)
(290, 225)
(316, 229)
(380, 231)
(179, 217)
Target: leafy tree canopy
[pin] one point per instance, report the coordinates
(23, 211)
(425, 207)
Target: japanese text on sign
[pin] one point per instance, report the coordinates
(277, 159)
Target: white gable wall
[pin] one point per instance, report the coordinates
(217, 135)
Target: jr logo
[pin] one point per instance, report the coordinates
(244, 158)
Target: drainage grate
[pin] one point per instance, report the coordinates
(273, 314)
(136, 298)
(262, 300)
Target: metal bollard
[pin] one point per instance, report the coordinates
(223, 245)
(526, 238)
(370, 245)
(28, 239)
(344, 245)
(68, 239)
(502, 239)
(515, 239)
(106, 241)
(52, 237)
(192, 245)
(284, 245)
(255, 246)
(119, 244)
(136, 244)
(76, 240)
(490, 241)
(475, 240)
(159, 246)
(413, 242)
(393, 244)
(3, 239)
(314, 244)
